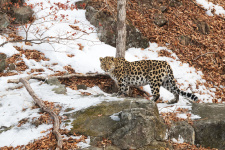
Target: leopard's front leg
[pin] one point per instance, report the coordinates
(123, 88)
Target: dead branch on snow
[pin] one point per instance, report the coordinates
(46, 109)
(58, 77)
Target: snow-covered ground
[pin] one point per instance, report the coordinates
(14, 102)
(209, 6)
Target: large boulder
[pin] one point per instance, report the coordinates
(140, 126)
(23, 14)
(210, 129)
(107, 29)
(132, 123)
(182, 130)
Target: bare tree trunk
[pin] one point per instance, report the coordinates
(121, 28)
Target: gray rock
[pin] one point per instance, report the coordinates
(209, 110)
(2, 56)
(139, 123)
(95, 121)
(160, 20)
(23, 14)
(185, 40)
(140, 127)
(2, 62)
(2, 65)
(2, 2)
(12, 67)
(210, 129)
(203, 27)
(107, 29)
(53, 81)
(61, 89)
(183, 129)
(82, 86)
(4, 21)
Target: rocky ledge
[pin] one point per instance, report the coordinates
(136, 124)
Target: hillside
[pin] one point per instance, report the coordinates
(194, 31)
(59, 41)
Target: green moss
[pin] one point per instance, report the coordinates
(69, 109)
(67, 121)
(3, 129)
(86, 120)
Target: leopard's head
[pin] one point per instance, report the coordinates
(107, 63)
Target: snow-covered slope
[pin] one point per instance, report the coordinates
(13, 102)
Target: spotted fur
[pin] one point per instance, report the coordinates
(139, 73)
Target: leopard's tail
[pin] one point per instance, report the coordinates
(175, 89)
(187, 95)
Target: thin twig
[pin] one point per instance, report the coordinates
(205, 54)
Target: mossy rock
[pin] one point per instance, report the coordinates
(96, 121)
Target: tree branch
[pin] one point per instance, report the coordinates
(58, 77)
(46, 109)
(205, 54)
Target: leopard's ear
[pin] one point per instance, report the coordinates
(100, 58)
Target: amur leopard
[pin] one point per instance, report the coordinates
(139, 73)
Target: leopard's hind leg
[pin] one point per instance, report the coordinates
(170, 85)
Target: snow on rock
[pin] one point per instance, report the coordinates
(179, 140)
